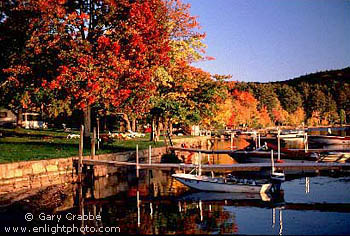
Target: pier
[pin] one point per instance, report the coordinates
(222, 168)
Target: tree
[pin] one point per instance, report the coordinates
(264, 117)
(104, 51)
(183, 92)
(289, 98)
(244, 109)
(280, 116)
(266, 96)
(15, 93)
(297, 117)
(342, 116)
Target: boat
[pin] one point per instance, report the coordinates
(220, 184)
(292, 134)
(230, 183)
(287, 134)
(295, 154)
(263, 153)
(329, 139)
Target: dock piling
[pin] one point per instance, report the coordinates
(81, 148)
(137, 161)
(98, 133)
(93, 144)
(150, 154)
(279, 144)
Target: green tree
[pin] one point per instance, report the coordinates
(342, 116)
(289, 98)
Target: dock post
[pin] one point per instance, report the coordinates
(279, 144)
(306, 143)
(137, 161)
(138, 209)
(259, 141)
(231, 143)
(98, 133)
(81, 148)
(272, 162)
(150, 154)
(93, 144)
(200, 163)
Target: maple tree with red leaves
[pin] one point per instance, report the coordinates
(99, 53)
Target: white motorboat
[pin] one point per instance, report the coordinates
(292, 134)
(228, 184)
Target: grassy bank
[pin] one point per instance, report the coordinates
(20, 145)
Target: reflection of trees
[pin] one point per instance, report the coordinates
(165, 218)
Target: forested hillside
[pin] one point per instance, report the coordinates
(320, 98)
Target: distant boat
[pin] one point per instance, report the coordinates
(292, 134)
(288, 134)
(329, 139)
(263, 154)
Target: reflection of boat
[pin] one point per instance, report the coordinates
(329, 139)
(228, 184)
(217, 196)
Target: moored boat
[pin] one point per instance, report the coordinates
(219, 184)
(329, 139)
(292, 134)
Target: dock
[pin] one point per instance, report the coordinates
(222, 168)
(202, 150)
(319, 150)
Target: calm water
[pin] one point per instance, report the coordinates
(157, 204)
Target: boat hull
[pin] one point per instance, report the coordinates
(208, 184)
(329, 140)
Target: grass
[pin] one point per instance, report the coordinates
(21, 145)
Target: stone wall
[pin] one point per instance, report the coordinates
(34, 174)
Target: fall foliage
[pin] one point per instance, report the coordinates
(135, 58)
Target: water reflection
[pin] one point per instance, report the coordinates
(158, 205)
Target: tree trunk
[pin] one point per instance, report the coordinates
(170, 128)
(87, 124)
(158, 129)
(165, 130)
(133, 124)
(105, 122)
(19, 118)
(127, 121)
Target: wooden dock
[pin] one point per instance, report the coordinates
(202, 150)
(233, 151)
(220, 168)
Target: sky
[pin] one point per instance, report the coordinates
(274, 40)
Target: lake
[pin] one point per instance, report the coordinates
(313, 204)
(158, 204)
